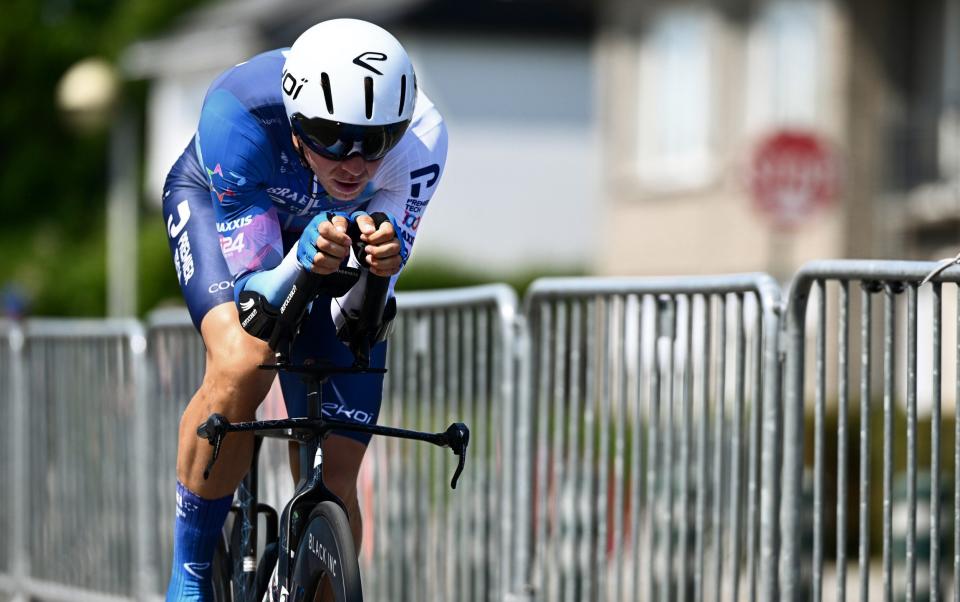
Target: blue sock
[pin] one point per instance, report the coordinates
(195, 533)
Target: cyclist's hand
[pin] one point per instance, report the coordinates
(383, 247)
(324, 244)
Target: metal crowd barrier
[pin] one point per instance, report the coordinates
(12, 568)
(636, 444)
(78, 532)
(452, 357)
(878, 346)
(449, 360)
(655, 409)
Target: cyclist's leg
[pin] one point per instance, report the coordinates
(342, 457)
(353, 398)
(232, 385)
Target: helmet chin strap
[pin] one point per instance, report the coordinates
(303, 161)
(301, 154)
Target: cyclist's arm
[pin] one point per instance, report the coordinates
(235, 153)
(407, 178)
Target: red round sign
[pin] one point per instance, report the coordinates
(793, 174)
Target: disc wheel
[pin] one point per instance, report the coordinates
(326, 558)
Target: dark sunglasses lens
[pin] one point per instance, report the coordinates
(378, 141)
(337, 141)
(336, 151)
(373, 144)
(321, 136)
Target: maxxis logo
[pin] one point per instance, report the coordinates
(234, 224)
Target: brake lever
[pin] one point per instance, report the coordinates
(458, 437)
(213, 430)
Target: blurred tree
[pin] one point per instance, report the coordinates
(52, 193)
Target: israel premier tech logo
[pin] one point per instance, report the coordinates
(222, 185)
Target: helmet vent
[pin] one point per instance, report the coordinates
(327, 94)
(368, 92)
(403, 93)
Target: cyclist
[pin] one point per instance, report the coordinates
(292, 147)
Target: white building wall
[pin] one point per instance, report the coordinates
(694, 91)
(522, 185)
(173, 110)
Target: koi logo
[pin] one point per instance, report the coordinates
(291, 86)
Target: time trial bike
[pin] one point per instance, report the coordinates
(309, 547)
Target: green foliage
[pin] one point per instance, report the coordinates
(74, 286)
(54, 182)
(62, 272)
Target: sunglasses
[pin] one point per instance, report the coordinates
(337, 141)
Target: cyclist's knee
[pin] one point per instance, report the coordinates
(340, 482)
(341, 465)
(232, 375)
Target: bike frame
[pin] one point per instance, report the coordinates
(246, 511)
(311, 490)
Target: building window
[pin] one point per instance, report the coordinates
(788, 57)
(676, 101)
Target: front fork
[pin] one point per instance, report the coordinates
(243, 534)
(311, 491)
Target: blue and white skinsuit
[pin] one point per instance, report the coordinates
(236, 202)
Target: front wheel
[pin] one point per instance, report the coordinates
(326, 558)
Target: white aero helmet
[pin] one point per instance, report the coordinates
(348, 88)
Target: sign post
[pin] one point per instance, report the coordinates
(793, 174)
